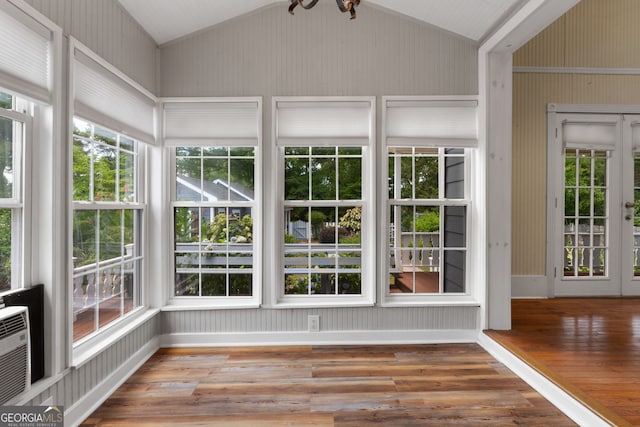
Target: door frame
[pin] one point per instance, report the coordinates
(552, 184)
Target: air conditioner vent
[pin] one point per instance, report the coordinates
(14, 371)
(13, 324)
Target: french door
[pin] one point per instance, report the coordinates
(596, 204)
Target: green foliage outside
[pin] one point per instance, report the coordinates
(229, 229)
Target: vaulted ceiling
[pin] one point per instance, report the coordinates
(166, 20)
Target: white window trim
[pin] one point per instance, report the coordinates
(21, 231)
(86, 346)
(274, 286)
(388, 299)
(183, 303)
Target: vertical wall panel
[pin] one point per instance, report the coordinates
(106, 28)
(319, 52)
(593, 34)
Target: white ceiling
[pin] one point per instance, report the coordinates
(166, 20)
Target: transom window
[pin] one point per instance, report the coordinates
(107, 233)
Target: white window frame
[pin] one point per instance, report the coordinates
(137, 205)
(331, 133)
(18, 203)
(454, 126)
(210, 122)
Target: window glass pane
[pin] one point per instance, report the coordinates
(454, 268)
(5, 249)
(214, 285)
(242, 176)
(350, 178)
(104, 173)
(454, 177)
(81, 169)
(407, 182)
(455, 218)
(426, 178)
(215, 185)
(84, 237)
(105, 136)
(188, 151)
(6, 158)
(323, 178)
(111, 230)
(296, 178)
(127, 177)
(188, 179)
(6, 101)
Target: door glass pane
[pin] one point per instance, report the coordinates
(585, 213)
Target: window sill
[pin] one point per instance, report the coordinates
(87, 350)
(211, 303)
(429, 301)
(318, 301)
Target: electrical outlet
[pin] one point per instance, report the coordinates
(314, 323)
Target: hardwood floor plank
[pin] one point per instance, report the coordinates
(325, 386)
(587, 346)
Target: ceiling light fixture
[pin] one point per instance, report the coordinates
(343, 5)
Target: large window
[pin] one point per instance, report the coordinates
(12, 145)
(428, 220)
(323, 217)
(107, 233)
(428, 152)
(214, 207)
(325, 157)
(215, 200)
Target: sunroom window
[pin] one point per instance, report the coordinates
(325, 152)
(428, 144)
(107, 215)
(215, 198)
(213, 218)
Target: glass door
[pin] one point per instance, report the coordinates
(587, 154)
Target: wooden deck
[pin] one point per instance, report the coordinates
(589, 347)
(341, 386)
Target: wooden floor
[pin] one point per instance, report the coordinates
(590, 347)
(448, 384)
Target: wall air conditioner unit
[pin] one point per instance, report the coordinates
(15, 371)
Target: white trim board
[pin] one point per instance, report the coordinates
(88, 403)
(554, 394)
(319, 338)
(578, 70)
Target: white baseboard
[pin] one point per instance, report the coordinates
(79, 411)
(319, 338)
(554, 394)
(529, 287)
